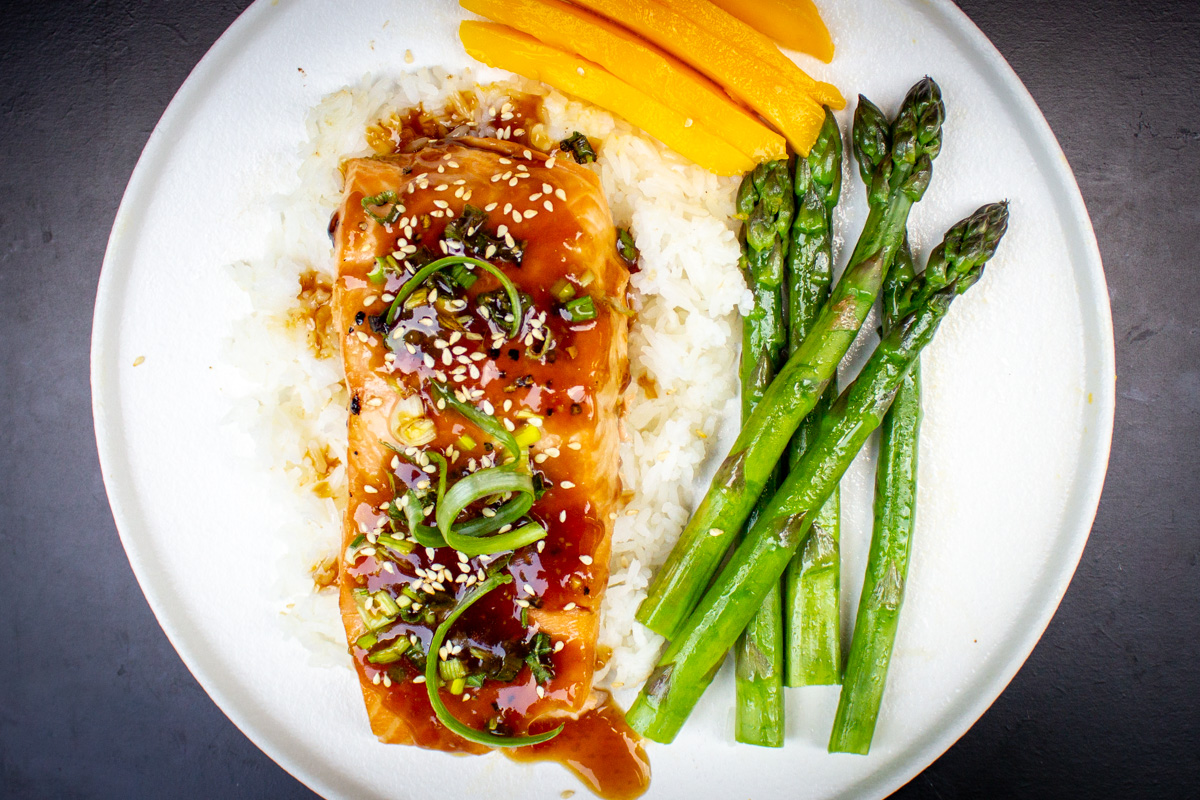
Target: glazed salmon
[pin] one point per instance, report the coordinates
(526, 651)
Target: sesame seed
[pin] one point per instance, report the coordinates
(569, 607)
(540, 458)
(575, 445)
(550, 162)
(531, 213)
(548, 205)
(528, 589)
(541, 691)
(558, 646)
(560, 194)
(585, 560)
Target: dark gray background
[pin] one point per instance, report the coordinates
(93, 700)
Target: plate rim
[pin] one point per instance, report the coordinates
(280, 747)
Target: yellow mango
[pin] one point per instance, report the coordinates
(641, 65)
(795, 24)
(502, 47)
(744, 38)
(780, 96)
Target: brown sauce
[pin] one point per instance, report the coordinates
(313, 313)
(517, 119)
(601, 749)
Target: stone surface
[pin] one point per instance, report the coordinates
(94, 701)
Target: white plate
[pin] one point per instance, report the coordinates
(1018, 422)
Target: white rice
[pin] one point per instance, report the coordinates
(685, 339)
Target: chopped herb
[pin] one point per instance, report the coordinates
(475, 680)
(579, 147)
(538, 658)
(626, 248)
(378, 324)
(465, 236)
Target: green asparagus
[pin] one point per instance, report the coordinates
(895, 510)
(687, 666)
(898, 183)
(765, 203)
(895, 504)
(810, 585)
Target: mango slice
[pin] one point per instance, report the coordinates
(502, 47)
(795, 24)
(782, 96)
(641, 65)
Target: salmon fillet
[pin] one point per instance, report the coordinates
(544, 222)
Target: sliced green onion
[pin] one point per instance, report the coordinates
(367, 640)
(401, 546)
(587, 279)
(465, 442)
(485, 422)
(476, 486)
(383, 199)
(457, 685)
(528, 435)
(381, 614)
(431, 676)
(563, 290)
(475, 680)
(379, 273)
(352, 551)
(425, 535)
(452, 668)
(581, 309)
(393, 652)
(508, 513)
(415, 281)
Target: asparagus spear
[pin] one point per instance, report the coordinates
(765, 203)
(810, 585)
(686, 668)
(898, 183)
(895, 510)
(813, 577)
